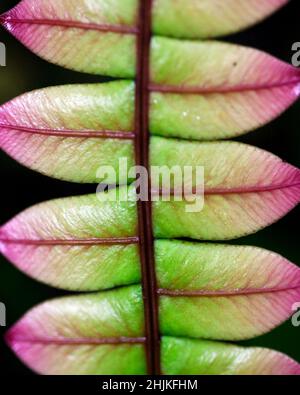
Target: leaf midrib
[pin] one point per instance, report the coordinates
(224, 293)
(87, 133)
(79, 341)
(105, 28)
(194, 90)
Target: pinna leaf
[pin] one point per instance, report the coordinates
(60, 130)
(200, 90)
(82, 231)
(104, 334)
(96, 37)
(208, 90)
(209, 18)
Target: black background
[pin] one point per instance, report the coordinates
(21, 187)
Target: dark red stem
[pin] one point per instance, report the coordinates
(145, 208)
